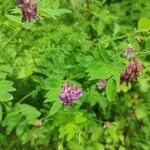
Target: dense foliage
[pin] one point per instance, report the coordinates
(75, 75)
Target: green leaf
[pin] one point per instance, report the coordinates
(52, 82)
(11, 121)
(141, 111)
(55, 4)
(79, 118)
(3, 75)
(55, 107)
(115, 69)
(111, 89)
(144, 23)
(1, 113)
(25, 72)
(25, 137)
(70, 135)
(17, 20)
(5, 97)
(6, 86)
(14, 18)
(105, 56)
(69, 130)
(103, 101)
(62, 131)
(20, 128)
(52, 94)
(29, 112)
(98, 70)
(147, 43)
(101, 70)
(92, 96)
(61, 12)
(53, 85)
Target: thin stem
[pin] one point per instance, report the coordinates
(124, 36)
(115, 38)
(76, 75)
(6, 106)
(25, 97)
(1, 50)
(99, 120)
(143, 52)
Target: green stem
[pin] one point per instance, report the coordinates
(99, 121)
(6, 106)
(25, 97)
(124, 36)
(1, 50)
(115, 38)
(143, 52)
(76, 75)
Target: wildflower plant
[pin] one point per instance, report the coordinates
(61, 46)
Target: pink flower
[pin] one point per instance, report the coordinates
(70, 94)
(29, 9)
(131, 72)
(101, 84)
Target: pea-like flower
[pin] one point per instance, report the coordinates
(131, 72)
(70, 94)
(129, 52)
(29, 9)
(101, 84)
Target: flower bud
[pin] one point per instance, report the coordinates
(129, 52)
(101, 84)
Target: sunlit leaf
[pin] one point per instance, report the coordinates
(111, 89)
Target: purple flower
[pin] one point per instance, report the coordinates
(125, 77)
(131, 72)
(29, 9)
(70, 94)
(130, 52)
(101, 84)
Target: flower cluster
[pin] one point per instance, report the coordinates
(101, 84)
(131, 72)
(29, 9)
(130, 52)
(70, 94)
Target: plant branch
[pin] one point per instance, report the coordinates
(5, 45)
(126, 35)
(25, 97)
